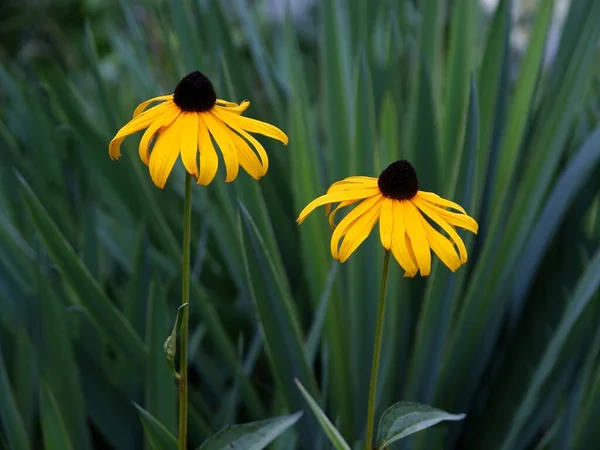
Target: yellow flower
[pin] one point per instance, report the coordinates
(184, 123)
(403, 211)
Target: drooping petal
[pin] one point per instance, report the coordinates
(248, 159)
(164, 154)
(411, 253)
(442, 246)
(209, 161)
(386, 223)
(251, 125)
(348, 222)
(360, 230)
(418, 237)
(189, 142)
(458, 220)
(332, 214)
(232, 107)
(352, 183)
(142, 106)
(399, 247)
(336, 197)
(139, 123)
(437, 200)
(222, 136)
(161, 122)
(257, 145)
(434, 213)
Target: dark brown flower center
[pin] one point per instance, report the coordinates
(399, 181)
(195, 93)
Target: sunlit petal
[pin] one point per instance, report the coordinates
(418, 237)
(437, 200)
(336, 197)
(442, 246)
(164, 154)
(257, 145)
(386, 223)
(209, 161)
(222, 136)
(360, 230)
(348, 221)
(155, 127)
(399, 247)
(139, 123)
(189, 142)
(251, 125)
(142, 106)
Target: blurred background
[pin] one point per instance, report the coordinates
(497, 104)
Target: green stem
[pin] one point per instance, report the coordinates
(376, 355)
(185, 298)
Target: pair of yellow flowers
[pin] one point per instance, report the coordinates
(186, 122)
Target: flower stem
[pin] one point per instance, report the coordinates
(185, 298)
(376, 355)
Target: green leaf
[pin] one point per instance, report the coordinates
(250, 436)
(307, 184)
(11, 418)
(159, 438)
(59, 370)
(54, 430)
(520, 107)
(573, 178)
(331, 431)
(112, 323)
(170, 345)
(278, 319)
(585, 291)
(460, 67)
(405, 418)
(334, 53)
(160, 390)
(426, 154)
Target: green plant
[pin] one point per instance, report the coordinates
(89, 250)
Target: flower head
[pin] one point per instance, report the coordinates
(184, 123)
(406, 217)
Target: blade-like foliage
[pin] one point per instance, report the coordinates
(497, 109)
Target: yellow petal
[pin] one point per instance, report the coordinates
(458, 220)
(437, 200)
(231, 106)
(418, 238)
(164, 154)
(348, 222)
(209, 161)
(332, 214)
(222, 136)
(386, 223)
(142, 106)
(399, 247)
(441, 246)
(352, 183)
(189, 142)
(257, 145)
(360, 230)
(434, 213)
(336, 197)
(155, 127)
(413, 258)
(139, 123)
(248, 159)
(251, 125)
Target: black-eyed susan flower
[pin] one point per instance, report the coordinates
(184, 123)
(406, 219)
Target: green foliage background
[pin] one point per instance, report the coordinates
(90, 249)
